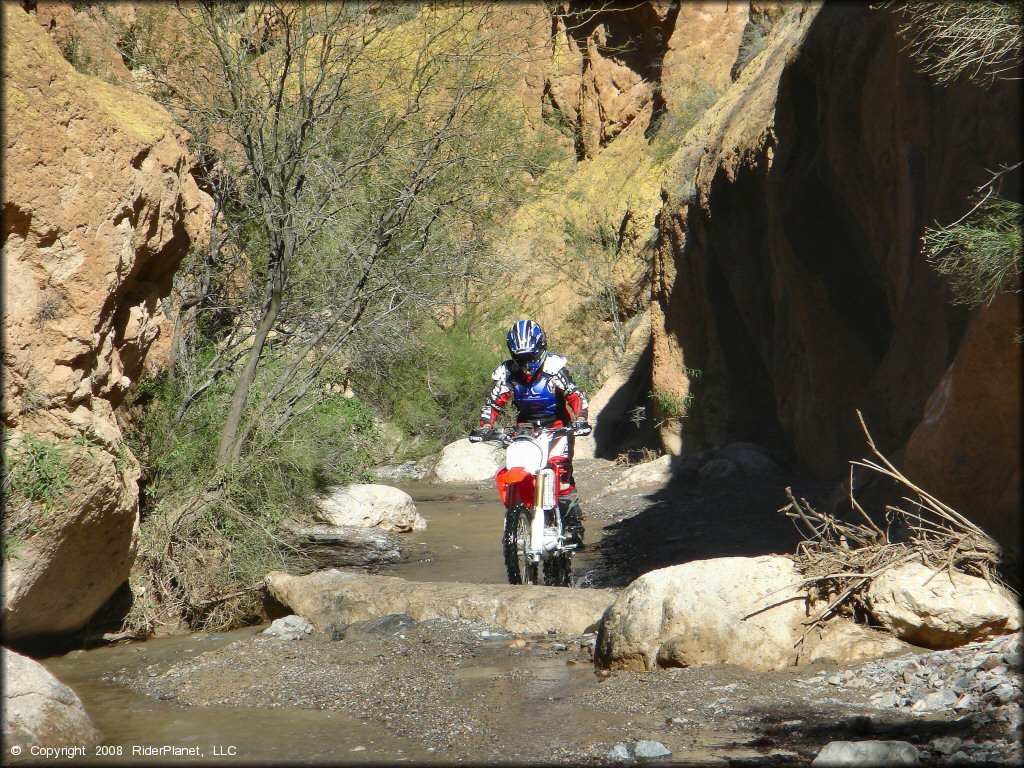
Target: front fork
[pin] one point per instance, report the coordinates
(545, 498)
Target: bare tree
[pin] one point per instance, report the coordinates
(355, 159)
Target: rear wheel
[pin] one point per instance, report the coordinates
(521, 570)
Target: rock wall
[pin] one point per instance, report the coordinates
(99, 210)
(788, 267)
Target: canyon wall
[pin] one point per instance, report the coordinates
(99, 209)
(790, 289)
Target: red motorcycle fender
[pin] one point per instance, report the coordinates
(516, 478)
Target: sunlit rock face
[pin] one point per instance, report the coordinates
(99, 209)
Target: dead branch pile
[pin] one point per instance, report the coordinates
(840, 558)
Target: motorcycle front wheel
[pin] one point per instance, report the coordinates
(517, 546)
(558, 571)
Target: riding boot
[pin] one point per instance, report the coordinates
(572, 519)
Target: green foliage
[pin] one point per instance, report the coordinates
(188, 560)
(432, 391)
(981, 254)
(35, 470)
(673, 406)
(75, 54)
(35, 475)
(672, 126)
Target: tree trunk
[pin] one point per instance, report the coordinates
(228, 450)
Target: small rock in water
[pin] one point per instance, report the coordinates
(841, 753)
(619, 753)
(646, 750)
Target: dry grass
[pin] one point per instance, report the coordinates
(839, 559)
(979, 40)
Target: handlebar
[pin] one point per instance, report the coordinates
(505, 437)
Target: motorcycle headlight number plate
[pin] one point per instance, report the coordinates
(525, 454)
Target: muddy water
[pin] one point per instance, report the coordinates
(138, 724)
(461, 543)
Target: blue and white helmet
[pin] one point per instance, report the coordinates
(528, 346)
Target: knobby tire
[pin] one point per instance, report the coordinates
(516, 574)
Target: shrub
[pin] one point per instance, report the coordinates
(432, 391)
(981, 254)
(35, 475)
(979, 40)
(204, 567)
(673, 406)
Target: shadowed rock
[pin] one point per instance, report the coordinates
(332, 546)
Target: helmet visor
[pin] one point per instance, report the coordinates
(528, 361)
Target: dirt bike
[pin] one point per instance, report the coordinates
(534, 544)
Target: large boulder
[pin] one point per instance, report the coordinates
(738, 610)
(39, 710)
(342, 598)
(372, 506)
(466, 462)
(98, 212)
(940, 609)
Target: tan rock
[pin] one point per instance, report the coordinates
(86, 36)
(702, 49)
(650, 473)
(99, 209)
(844, 642)
(967, 448)
(736, 610)
(466, 462)
(344, 597)
(40, 711)
(939, 609)
(374, 506)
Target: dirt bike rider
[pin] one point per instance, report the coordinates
(544, 394)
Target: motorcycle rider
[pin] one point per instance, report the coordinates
(544, 394)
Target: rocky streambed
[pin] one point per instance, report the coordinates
(464, 692)
(468, 679)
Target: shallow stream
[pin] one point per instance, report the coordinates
(462, 542)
